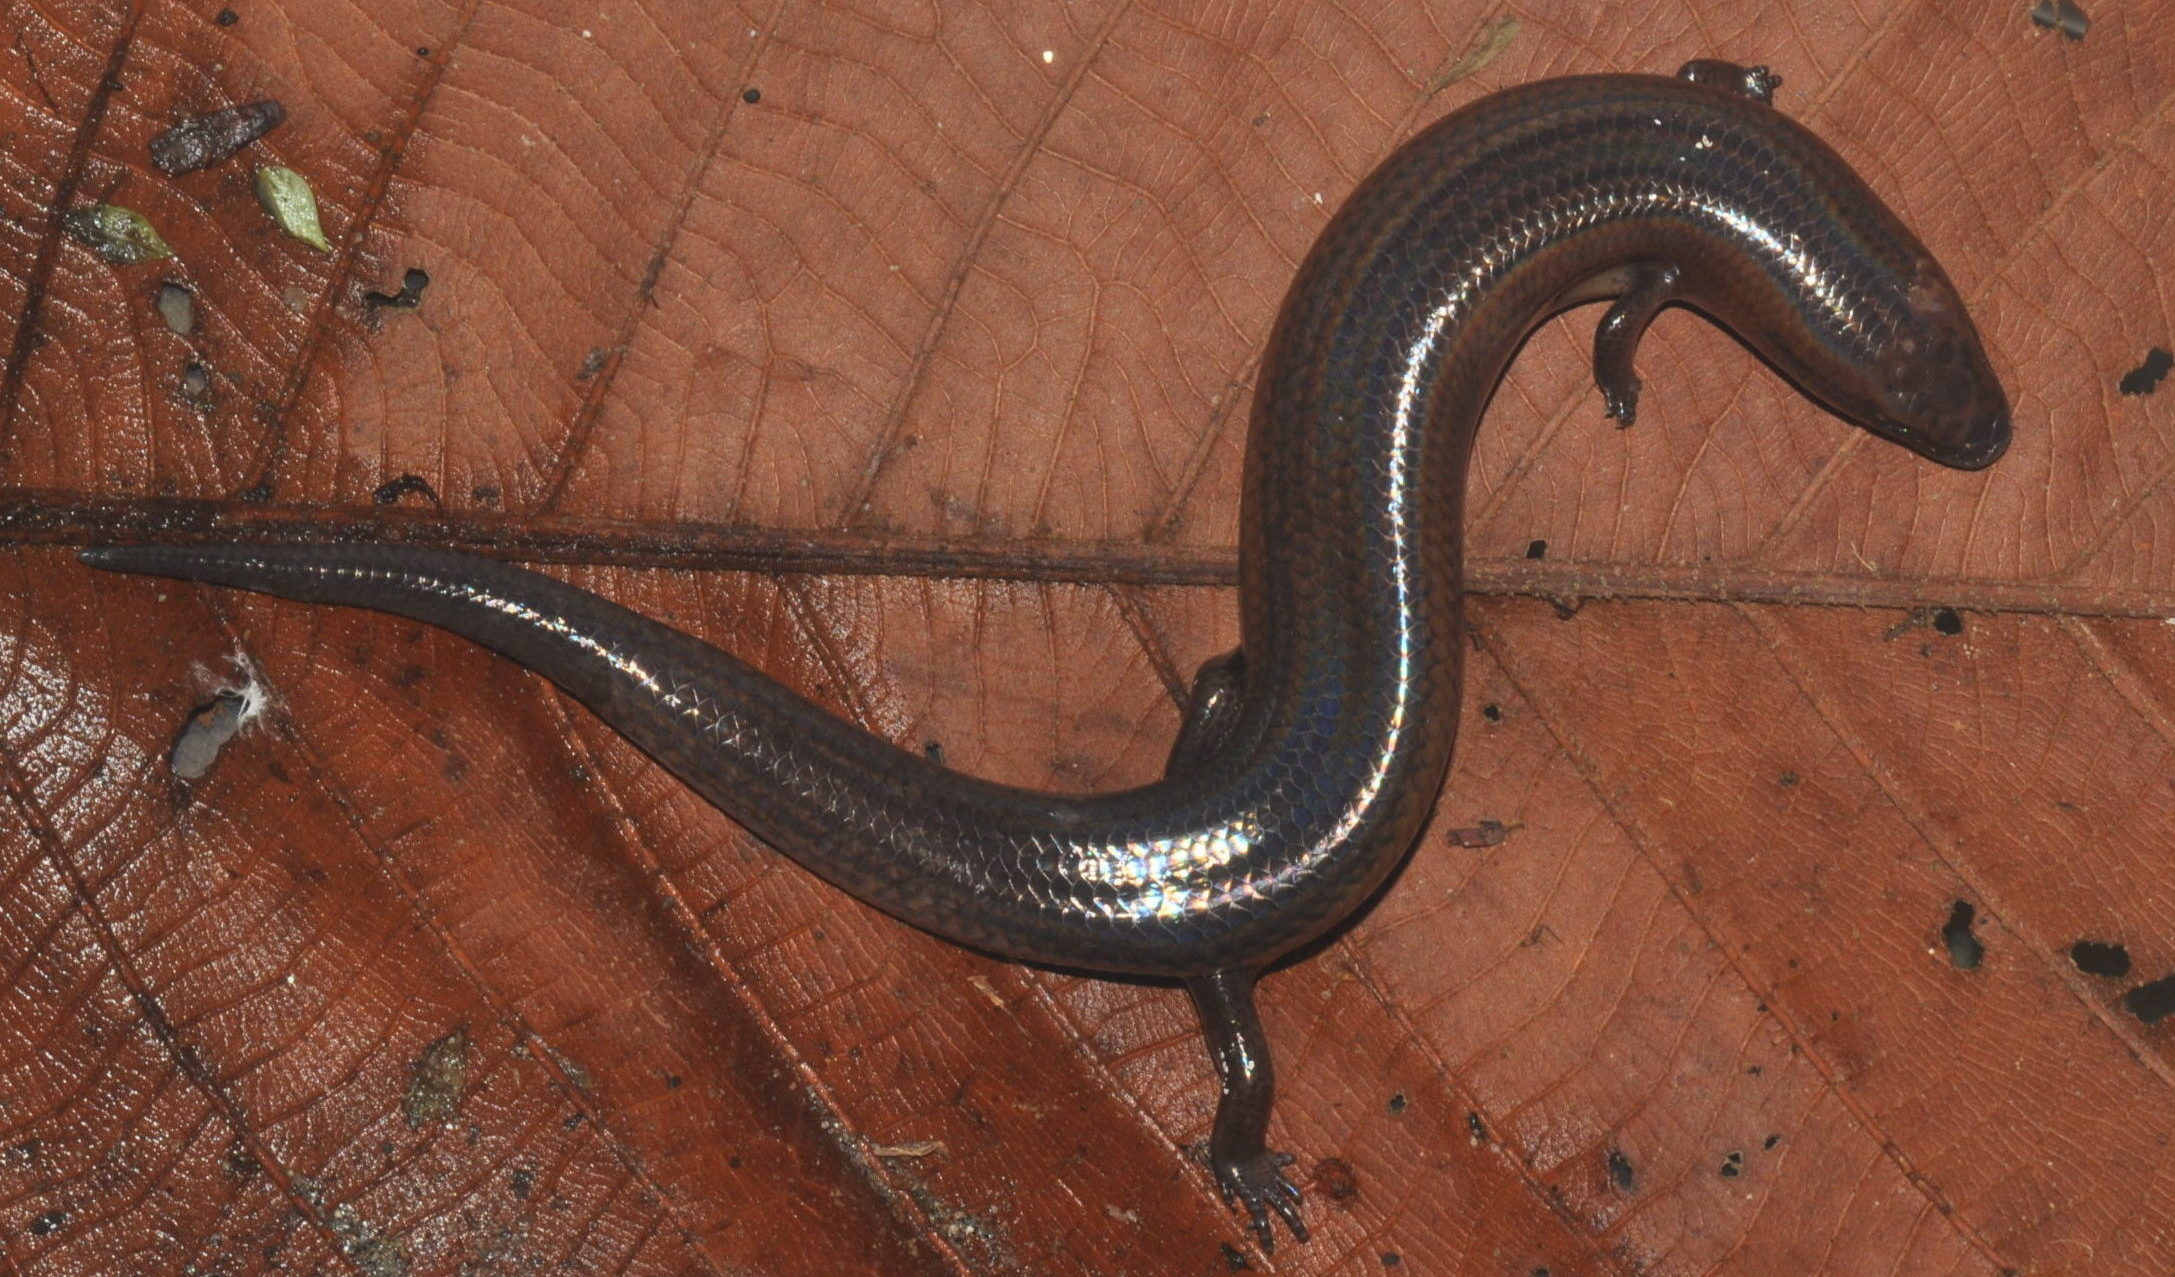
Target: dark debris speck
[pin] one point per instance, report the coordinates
(2063, 16)
(437, 1078)
(1335, 1179)
(1621, 1173)
(392, 490)
(2147, 376)
(2152, 1002)
(204, 140)
(2094, 957)
(1488, 833)
(412, 283)
(1965, 951)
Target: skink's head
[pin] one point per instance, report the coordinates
(1936, 394)
(1898, 356)
(1832, 287)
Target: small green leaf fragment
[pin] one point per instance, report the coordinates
(286, 195)
(120, 235)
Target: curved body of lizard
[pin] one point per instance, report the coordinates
(1312, 757)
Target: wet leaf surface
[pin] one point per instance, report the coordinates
(944, 318)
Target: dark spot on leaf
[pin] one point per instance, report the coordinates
(227, 18)
(1733, 1166)
(1620, 1172)
(593, 363)
(2063, 16)
(241, 1163)
(392, 490)
(2152, 1002)
(1946, 621)
(1537, 549)
(1476, 1128)
(48, 1223)
(522, 1181)
(196, 389)
(1391, 1259)
(1492, 712)
(484, 494)
(674, 1081)
(1488, 833)
(568, 1065)
(436, 1080)
(1234, 1259)
(1334, 1179)
(422, 50)
(1964, 950)
(1787, 779)
(375, 1256)
(2147, 376)
(1398, 1102)
(1771, 1141)
(204, 140)
(412, 283)
(752, 96)
(2094, 958)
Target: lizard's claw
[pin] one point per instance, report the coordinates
(1257, 1184)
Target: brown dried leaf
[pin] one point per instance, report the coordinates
(431, 973)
